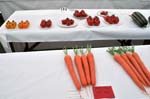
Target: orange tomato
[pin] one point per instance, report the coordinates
(26, 24)
(7, 25)
(11, 25)
(14, 24)
(20, 25)
(23, 25)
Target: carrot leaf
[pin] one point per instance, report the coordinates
(119, 50)
(125, 49)
(81, 51)
(89, 48)
(65, 51)
(132, 49)
(75, 51)
(111, 51)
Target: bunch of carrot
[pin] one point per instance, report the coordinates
(133, 65)
(85, 66)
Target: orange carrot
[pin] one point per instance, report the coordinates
(135, 64)
(124, 56)
(79, 66)
(91, 62)
(86, 67)
(141, 64)
(122, 52)
(127, 68)
(69, 65)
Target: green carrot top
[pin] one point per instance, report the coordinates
(131, 49)
(75, 51)
(89, 48)
(111, 51)
(65, 51)
(123, 49)
(120, 50)
(81, 51)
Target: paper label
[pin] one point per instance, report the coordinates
(103, 92)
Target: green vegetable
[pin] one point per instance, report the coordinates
(139, 19)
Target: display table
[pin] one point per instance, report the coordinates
(126, 29)
(43, 75)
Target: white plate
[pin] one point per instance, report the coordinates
(65, 26)
(99, 13)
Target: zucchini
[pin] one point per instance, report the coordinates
(139, 19)
(136, 22)
(142, 17)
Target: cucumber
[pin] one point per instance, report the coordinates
(142, 17)
(136, 22)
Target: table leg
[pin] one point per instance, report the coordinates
(26, 47)
(5, 44)
(6, 47)
(12, 46)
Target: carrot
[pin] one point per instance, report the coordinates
(136, 65)
(69, 64)
(91, 62)
(122, 52)
(79, 66)
(127, 68)
(141, 64)
(86, 66)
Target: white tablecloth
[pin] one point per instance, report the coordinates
(43, 75)
(126, 29)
